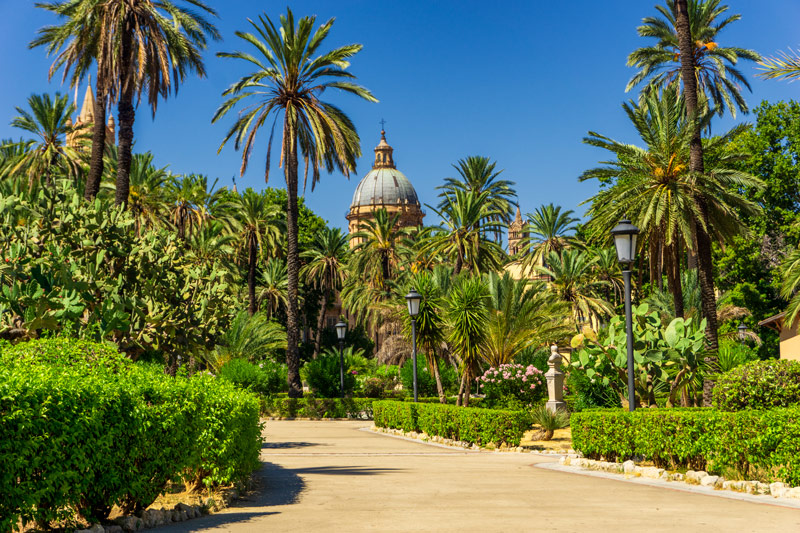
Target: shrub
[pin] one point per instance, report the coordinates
(426, 381)
(82, 355)
(549, 420)
(322, 376)
(513, 386)
(81, 438)
(759, 385)
(266, 378)
(311, 407)
(695, 438)
(477, 426)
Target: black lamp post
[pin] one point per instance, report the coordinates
(413, 298)
(341, 330)
(625, 235)
(742, 329)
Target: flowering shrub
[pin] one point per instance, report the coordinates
(512, 386)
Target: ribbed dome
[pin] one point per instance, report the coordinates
(384, 186)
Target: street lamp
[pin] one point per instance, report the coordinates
(413, 299)
(341, 330)
(742, 329)
(625, 235)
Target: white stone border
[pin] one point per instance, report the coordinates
(692, 481)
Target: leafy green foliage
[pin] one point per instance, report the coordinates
(312, 407)
(478, 426)
(759, 385)
(82, 438)
(426, 382)
(322, 373)
(549, 420)
(671, 354)
(695, 438)
(265, 378)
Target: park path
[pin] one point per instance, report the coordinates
(332, 476)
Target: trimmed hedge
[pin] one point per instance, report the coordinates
(473, 425)
(311, 407)
(759, 385)
(80, 438)
(695, 438)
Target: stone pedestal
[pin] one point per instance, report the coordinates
(555, 381)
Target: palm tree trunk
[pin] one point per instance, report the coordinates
(460, 397)
(127, 115)
(467, 385)
(98, 144)
(705, 262)
(251, 275)
(674, 278)
(320, 324)
(292, 265)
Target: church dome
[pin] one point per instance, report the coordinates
(384, 185)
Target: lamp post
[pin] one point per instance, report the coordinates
(742, 329)
(413, 299)
(625, 235)
(341, 330)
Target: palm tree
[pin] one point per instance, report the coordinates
(718, 79)
(78, 42)
(521, 315)
(190, 197)
(148, 192)
(430, 319)
(272, 286)
(376, 257)
(785, 65)
(259, 223)
(289, 78)
(468, 216)
(49, 154)
(325, 269)
(478, 174)
(249, 337)
(467, 315)
(548, 230)
(606, 268)
(212, 240)
(572, 281)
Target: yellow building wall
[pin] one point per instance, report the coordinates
(790, 344)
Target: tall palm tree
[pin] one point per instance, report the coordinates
(468, 216)
(785, 65)
(521, 315)
(289, 78)
(141, 46)
(78, 43)
(212, 241)
(189, 197)
(478, 174)
(548, 230)
(260, 223)
(572, 281)
(654, 187)
(48, 155)
(325, 269)
(715, 67)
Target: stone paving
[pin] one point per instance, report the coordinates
(331, 476)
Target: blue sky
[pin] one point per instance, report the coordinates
(520, 82)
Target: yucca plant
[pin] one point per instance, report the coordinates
(549, 421)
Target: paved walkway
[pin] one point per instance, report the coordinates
(329, 476)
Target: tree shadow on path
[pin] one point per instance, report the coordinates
(289, 445)
(274, 486)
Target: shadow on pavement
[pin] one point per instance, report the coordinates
(275, 486)
(288, 445)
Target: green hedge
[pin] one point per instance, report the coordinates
(311, 407)
(759, 385)
(81, 438)
(695, 438)
(473, 425)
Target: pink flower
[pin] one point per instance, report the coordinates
(524, 379)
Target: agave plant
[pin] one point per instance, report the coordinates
(549, 421)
